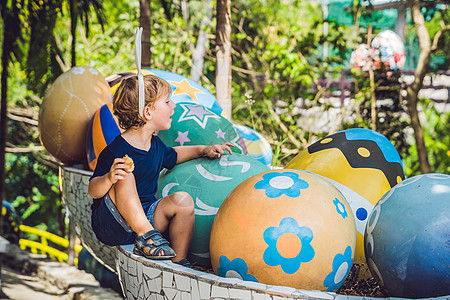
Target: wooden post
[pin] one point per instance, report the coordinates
(223, 56)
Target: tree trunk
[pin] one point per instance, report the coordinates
(3, 116)
(198, 53)
(73, 31)
(145, 23)
(414, 88)
(223, 56)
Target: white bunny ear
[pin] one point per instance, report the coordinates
(138, 55)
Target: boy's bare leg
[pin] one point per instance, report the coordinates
(175, 213)
(125, 197)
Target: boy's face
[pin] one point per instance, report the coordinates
(161, 115)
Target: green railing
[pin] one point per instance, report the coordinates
(43, 247)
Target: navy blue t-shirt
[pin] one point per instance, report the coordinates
(147, 164)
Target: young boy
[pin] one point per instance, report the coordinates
(125, 209)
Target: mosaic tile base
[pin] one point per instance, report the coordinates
(146, 279)
(142, 278)
(77, 203)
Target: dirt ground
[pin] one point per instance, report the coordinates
(24, 287)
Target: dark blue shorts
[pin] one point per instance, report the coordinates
(109, 226)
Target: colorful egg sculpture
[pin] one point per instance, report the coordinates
(391, 50)
(362, 57)
(407, 238)
(103, 129)
(208, 182)
(183, 88)
(66, 110)
(194, 124)
(360, 159)
(257, 146)
(285, 227)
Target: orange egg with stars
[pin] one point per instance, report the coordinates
(285, 227)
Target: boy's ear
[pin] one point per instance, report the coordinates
(147, 112)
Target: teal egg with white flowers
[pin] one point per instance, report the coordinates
(194, 124)
(208, 181)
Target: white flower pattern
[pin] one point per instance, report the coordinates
(78, 70)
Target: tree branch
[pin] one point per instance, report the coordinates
(22, 119)
(283, 127)
(25, 112)
(437, 36)
(24, 149)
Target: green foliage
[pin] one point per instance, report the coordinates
(110, 51)
(32, 188)
(433, 26)
(31, 183)
(278, 58)
(41, 63)
(436, 126)
(390, 112)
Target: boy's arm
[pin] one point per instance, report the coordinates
(185, 153)
(99, 186)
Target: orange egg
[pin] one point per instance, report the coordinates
(285, 227)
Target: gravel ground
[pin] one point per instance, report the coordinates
(352, 286)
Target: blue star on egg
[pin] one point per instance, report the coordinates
(276, 184)
(342, 264)
(237, 268)
(272, 255)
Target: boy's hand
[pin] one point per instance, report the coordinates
(214, 151)
(117, 171)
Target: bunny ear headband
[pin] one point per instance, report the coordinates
(138, 54)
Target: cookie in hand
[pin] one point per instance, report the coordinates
(129, 162)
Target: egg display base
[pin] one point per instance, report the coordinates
(141, 278)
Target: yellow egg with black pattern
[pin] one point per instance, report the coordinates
(285, 227)
(363, 164)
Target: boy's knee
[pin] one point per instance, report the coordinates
(183, 199)
(127, 182)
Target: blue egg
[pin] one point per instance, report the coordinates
(407, 238)
(257, 146)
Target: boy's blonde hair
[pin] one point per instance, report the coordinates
(126, 99)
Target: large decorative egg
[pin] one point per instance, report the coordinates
(362, 57)
(208, 181)
(194, 124)
(103, 129)
(285, 227)
(408, 236)
(391, 50)
(257, 146)
(362, 160)
(66, 110)
(183, 89)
